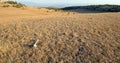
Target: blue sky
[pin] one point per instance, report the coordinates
(63, 3)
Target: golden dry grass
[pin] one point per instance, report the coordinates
(64, 37)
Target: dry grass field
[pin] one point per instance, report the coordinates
(64, 37)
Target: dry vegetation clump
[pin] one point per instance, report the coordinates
(55, 9)
(78, 38)
(11, 4)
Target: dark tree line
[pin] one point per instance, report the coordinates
(105, 8)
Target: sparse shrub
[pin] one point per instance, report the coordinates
(15, 4)
(55, 9)
(5, 6)
(18, 5)
(11, 2)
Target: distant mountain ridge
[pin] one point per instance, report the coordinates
(99, 8)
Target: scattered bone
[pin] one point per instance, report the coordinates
(33, 43)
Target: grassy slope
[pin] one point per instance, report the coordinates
(64, 37)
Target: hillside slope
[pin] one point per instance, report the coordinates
(63, 37)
